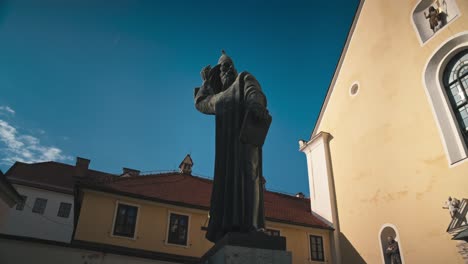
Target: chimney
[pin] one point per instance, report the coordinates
(130, 172)
(186, 165)
(300, 195)
(81, 167)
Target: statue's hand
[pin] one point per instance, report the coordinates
(205, 72)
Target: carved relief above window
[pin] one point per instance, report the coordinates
(430, 16)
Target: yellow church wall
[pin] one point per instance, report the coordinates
(389, 162)
(96, 218)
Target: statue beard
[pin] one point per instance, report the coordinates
(227, 79)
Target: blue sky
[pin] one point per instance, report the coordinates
(113, 81)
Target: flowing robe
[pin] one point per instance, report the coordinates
(237, 194)
(393, 253)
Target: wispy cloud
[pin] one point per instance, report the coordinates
(24, 148)
(7, 109)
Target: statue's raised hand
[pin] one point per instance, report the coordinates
(205, 73)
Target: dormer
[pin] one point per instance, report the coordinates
(186, 165)
(126, 172)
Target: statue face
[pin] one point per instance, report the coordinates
(228, 74)
(389, 239)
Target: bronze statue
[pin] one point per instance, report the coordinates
(242, 122)
(393, 251)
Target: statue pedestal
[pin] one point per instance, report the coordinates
(248, 248)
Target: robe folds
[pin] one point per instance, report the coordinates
(237, 194)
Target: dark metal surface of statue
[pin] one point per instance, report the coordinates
(242, 122)
(393, 251)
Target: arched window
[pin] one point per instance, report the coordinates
(456, 87)
(446, 82)
(390, 245)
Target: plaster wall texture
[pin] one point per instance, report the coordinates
(388, 156)
(97, 214)
(47, 226)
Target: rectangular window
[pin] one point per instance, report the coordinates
(316, 248)
(178, 229)
(64, 210)
(273, 232)
(20, 205)
(39, 205)
(125, 220)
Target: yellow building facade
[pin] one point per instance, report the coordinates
(99, 208)
(390, 143)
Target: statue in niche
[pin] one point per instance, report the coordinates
(437, 18)
(242, 122)
(393, 251)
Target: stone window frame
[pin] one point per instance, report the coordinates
(40, 205)
(20, 205)
(462, 83)
(432, 78)
(135, 230)
(310, 248)
(187, 238)
(268, 229)
(64, 210)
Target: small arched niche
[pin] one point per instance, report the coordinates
(430, 16)
(390, 250)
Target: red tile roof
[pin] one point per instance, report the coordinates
(49, 175)
(169, 187)
(192, 190)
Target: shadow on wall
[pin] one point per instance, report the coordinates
(349, 254)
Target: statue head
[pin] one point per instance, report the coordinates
(228, 73)
(390, 239)
(450, 198)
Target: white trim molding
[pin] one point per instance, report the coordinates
(325, 260)
(117, 203)
(189, 216)
(454, 145)
(322, 185)
(397, 239)
(358, 87)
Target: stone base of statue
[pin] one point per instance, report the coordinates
(248, 248)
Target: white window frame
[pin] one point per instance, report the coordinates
(117, 203)
(45, 205)
(280, 230)
(168, 226)
(69, 212)
(325, 260)
(452, 140)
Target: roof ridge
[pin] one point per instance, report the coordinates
(287, 195)
(203, 179)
